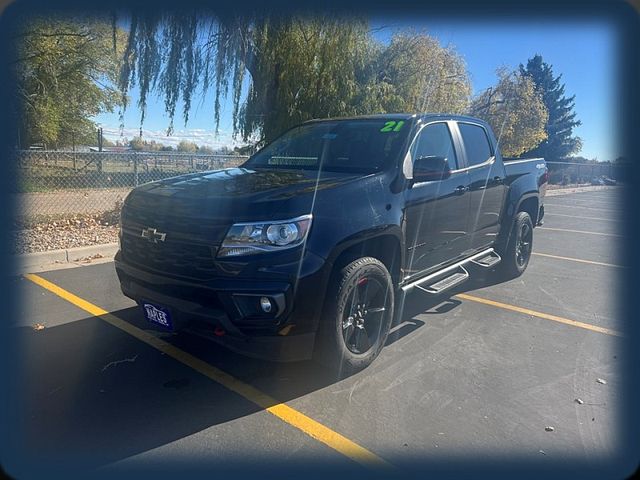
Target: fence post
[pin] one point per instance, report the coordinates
(135, 170)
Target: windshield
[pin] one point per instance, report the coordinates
(343, 145)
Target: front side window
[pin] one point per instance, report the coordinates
(435, 140)
(476, 143)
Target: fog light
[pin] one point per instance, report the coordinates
(265, 304)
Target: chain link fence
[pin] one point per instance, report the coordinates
(577, 174)
(52, 184)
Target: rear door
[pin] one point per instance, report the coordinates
(486, 184)
(436, 214)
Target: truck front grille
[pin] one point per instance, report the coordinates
(189, 247)
(175, 258)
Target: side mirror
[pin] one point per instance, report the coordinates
(426, 169)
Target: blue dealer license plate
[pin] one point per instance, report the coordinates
(157, 314)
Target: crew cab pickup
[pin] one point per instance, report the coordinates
(309, 247)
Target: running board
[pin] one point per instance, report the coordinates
(453, 271)
(488, 261)
(446, 283)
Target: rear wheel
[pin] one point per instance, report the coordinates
(357, 317)
(516, 255)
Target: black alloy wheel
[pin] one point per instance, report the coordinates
(362, 321)
(357, 316)
(523, 244)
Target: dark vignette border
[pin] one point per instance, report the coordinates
(626, 22)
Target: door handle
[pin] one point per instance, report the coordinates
(498, 180)
(460, 189)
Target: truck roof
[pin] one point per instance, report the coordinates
(400, 116)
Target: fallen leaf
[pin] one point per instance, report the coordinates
(39, 326)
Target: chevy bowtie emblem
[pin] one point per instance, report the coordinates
(153, 235)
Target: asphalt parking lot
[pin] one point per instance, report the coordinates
(480, 373)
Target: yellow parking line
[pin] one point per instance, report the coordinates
(580, 231)
(285, 413)
(545, 316)
(579, 260)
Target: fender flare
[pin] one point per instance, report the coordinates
(509, 218)
(393, 231)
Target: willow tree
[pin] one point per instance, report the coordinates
(422, 75)
(515, 110)
(67, 73)
(277, 71)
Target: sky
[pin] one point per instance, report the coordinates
(583, 52)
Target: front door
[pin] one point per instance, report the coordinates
(436, 214)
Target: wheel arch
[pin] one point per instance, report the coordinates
(529, 202)
(385, 246)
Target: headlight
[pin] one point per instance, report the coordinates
(249, 238)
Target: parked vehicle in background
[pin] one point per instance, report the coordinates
(308, 248)
(603, 180)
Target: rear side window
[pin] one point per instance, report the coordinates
(476, 143)
(435, 140)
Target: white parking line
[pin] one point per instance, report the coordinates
(579, 260)
(583, 218)
(579, 231)
(581, 206)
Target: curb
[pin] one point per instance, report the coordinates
(65, 258)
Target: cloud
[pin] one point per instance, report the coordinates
(200, 136)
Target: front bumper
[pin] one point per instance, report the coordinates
(215, 308)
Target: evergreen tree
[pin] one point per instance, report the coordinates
(562, 119)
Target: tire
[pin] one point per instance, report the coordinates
(357, 316)
(516, 255)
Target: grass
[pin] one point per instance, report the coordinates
(34, 180)
(61, 175)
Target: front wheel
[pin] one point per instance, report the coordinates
(357, 316)
(516, 255)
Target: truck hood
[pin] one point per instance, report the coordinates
(238, 194)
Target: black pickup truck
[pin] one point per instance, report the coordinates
(308, 248)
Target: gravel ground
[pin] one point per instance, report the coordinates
(74, 231)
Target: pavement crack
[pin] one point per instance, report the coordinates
(113, 364)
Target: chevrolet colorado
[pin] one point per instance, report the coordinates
(307, 248)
